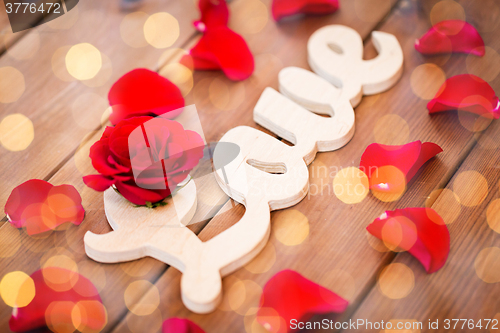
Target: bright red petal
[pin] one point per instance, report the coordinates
(406, 158)
(214, 13)
(283, 8)
(288, 295)
(142, 92)
(40, 206)
(451, 36)
(140, 196)
(180, 325)
(420, 231)
(467, 93)
(221, 48)
(60, 296)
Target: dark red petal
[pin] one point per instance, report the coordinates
(139, 196)
(283, 8)
(288, 295)
(467, 93)
(406, 158)
(221, 48)
(180, 325)
(214, 13)
(143, 92)
(451, 36)
(99, 183)
(39, 206)
(57, 292)
(420, 231)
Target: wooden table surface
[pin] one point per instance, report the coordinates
(334, 249)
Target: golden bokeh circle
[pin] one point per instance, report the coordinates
(376, 243)
(138, 268)
(396, 281)
(471, 188)
(243, 296)
(225, 95)
(446, 203)
(447, 10)
(12, 84)
(94, 272)
(493, 215)
(487, 265)
(290, 227)
(83, 61)
(264, 261)
(58, 63)
(16, 132)
(471, 121)
(251, 20)
(384, 175)
(426, 80)
(351, 185)
(161, 30)
(391, 129)
(179, 75)
(57, 279)
(87, 109)
(104, 74)
(142, 297)
(131, 29)
(393, 235)
(136, 323)
(486, 67)
(17, 289)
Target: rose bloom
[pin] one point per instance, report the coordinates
(161, 162)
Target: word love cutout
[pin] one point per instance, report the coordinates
(266, 175)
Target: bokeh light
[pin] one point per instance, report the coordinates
(225, 95)
(83, 61)
(138, 268)
(487, 265)
(87, 109)
(12, 84)
(396, 281)
(142, 297)
(251, 20)
(180, 75)
(376, 243)
(17, 289)
(89, 316)
(493, 215)
(391, 129)
(273, 321)
(351, 185)
(58, 62)
(471, 121)
(290, 227)
(94, 272)
(131, 29)
(486, 67)
(392, 234)
(264, 260)
(446, 203)
(136, 323)
(471, 188)
(227, 284)
(161, 30)
(388, 183)
(426, 80)
(243, 296)
(58, 279)
(103, 75)
(447, 10)
(16, 132)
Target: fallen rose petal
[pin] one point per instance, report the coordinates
(451, 36)
(40, 206)
(466, 92)
(420, 231)
(142, 92)
(283, 8)
(180, 325)
(214, 13)
(288, 295)
(404, 160)
(222, 49)
(78, 302)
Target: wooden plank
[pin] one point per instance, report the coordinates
(336, 251)
(60, 119)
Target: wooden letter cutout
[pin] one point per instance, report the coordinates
(266, 175)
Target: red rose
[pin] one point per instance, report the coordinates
(142, 92)
(175, 152)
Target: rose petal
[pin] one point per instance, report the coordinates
(220, 48)
(406, 158)
(40, 206)
(142, 92)
(60, 296)
(451, 36)
(99, 183)
(283, 8)
(180, 325)
(140, 196)
(288, 295)
(467, 93)
(214, 13)
(420, 231)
